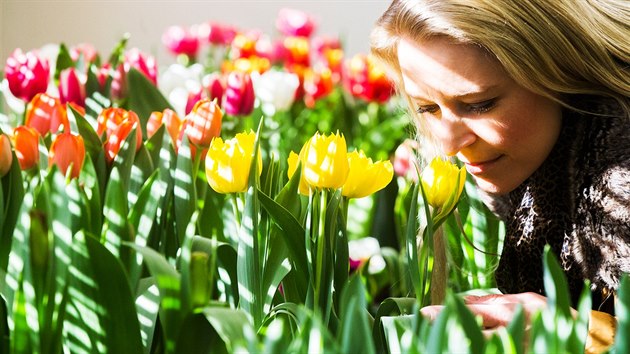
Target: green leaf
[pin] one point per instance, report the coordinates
(622, 312)
(355, 327)
(169, 284)
(516, 329)
(64, 61)
(144, 97)
(555, 283)
(185, 197)
(118, 318)
(249, 262)
(225, 265)
(411, 245)
(390, 307)
(468, 323)
(231, 325)
(198, 336)
(142, 216)
(116, 227)
(13, 193)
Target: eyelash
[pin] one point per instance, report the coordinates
(477, 108)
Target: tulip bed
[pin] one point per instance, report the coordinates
(243, 199)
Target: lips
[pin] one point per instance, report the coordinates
(480, 167)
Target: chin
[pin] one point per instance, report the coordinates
(492, 187)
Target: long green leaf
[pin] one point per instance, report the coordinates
(231, 325)
(144, 97)
(622, 311)
(355, 332)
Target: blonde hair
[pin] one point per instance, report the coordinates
(557, 49)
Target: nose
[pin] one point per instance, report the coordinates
(453, 133)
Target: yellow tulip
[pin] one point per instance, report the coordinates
(443, 182)
(325, 161)
(366, 177)
(227, 163)
(293, 163)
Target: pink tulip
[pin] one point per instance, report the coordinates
(27, 74)
(295, 23)
(84, 49)
(72, 87)
(179, 40)
(144, 63)
(216, 33)
(238, 99)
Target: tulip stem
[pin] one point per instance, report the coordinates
(237, 212)
(320, 246)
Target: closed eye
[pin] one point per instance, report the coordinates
(481, 107)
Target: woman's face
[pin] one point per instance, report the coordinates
(501, 131)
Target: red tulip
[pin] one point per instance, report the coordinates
(72, 87)
(239, 94)
(203, 123)
(215, 86)
(27, 74)
(26, 145)
(86, 50)
(46, 114)
(193, 98)
(366, 80)
(179, 40)
(295, 23)
(317, 84)
(6, 155)
(67, 150)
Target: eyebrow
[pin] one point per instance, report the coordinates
(463, 94)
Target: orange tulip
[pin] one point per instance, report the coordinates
(26, 143)
(46, 114)
(67, 150)
(111, 121)
(169, 118)
(6, 155)
(204, 123)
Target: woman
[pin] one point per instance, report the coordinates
(533, 97)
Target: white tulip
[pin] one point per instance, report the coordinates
(275, 90)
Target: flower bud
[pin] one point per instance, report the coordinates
(6, 155)
(204, 123)
(72, 87)
(26, 145)
(27, 74)
(46, 114)
(199, 291)
(228, 163)
(443, 183)
(67, 150)
(294, 23)
(239, 94)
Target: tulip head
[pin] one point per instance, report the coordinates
(26, 145)
(292, 22)
(366, 177)
(228, 163)
(67, 150)
(239, 98)
(275, 90)
(117, 123)
(72, 87)
(325, 161)
(203, 123)
(179, 40)
(171, 121)
(27, 74)
(46, 114)
(6, 155)
(443, 183)
(293, 162)
(367, 80)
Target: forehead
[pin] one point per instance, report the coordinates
(438, 66)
